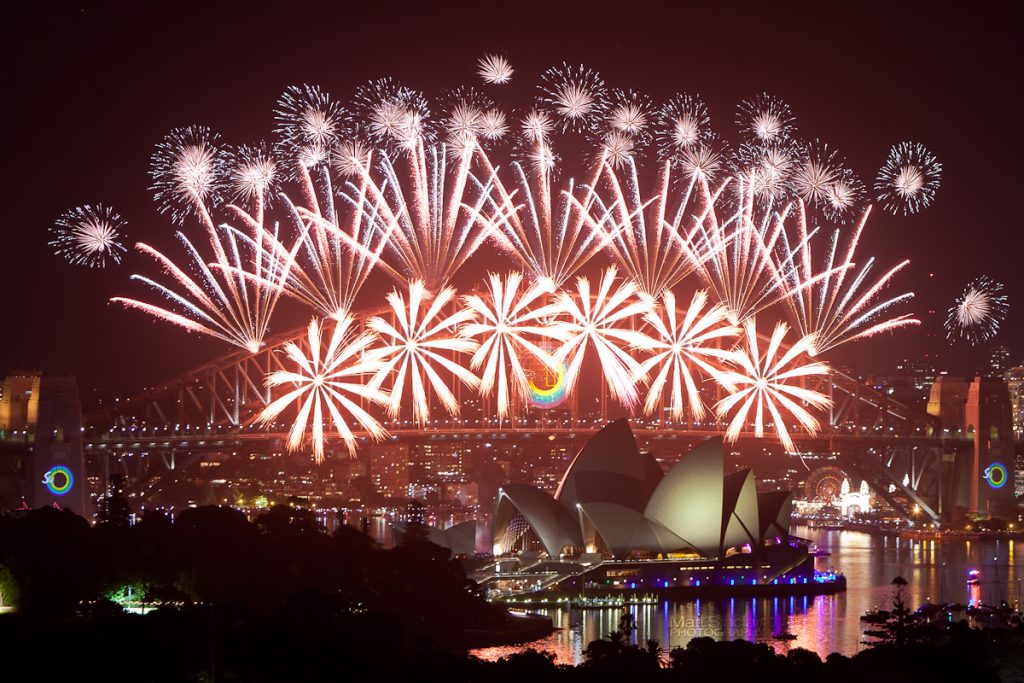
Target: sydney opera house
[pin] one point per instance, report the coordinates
(618, 521)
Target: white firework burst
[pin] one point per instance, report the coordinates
(328, 380)
(600, 320)
(768, 169)
(308, 123)
(350, 158)
(765, 119)
(816, 172)
(576, 94)
(189, 171)
(254, 175)
(702, 162)
(766, 386)
(908, 181)
(843, 196)
(89, 236)
(415, 345)
(507, 323)
(683, 121)
(493, 125)
(537, 126)
(683, 349)
(978, 312)
(632, 113)
(618, 148)
(394, 114)
(494, 69)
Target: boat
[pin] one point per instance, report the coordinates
(785, 635)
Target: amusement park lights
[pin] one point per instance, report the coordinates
(667, 209)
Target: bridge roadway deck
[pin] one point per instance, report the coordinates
(220, 439)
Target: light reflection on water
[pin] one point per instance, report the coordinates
(936, 572)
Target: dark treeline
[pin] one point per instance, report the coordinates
(278, 599)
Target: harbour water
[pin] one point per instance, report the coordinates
(936, 571)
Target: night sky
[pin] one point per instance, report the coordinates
(88, 92)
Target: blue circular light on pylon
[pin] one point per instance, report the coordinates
(996, 475)
(58, 480)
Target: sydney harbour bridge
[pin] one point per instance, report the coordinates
(898, 450)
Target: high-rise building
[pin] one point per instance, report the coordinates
(41, 423)
(389, 469)
(1015, 385)
(439, 462)
(999, 361)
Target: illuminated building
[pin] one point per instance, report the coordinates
(1015, 385)
(439, 462)
(852, 502)
(618, 521)
(389, 469)
(41, 424)
(999, 361)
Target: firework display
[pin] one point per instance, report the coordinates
(764, 388)
(507, 322)
(325, 381)
(978, 312)
(89, 236)
(586, 183)
(909, 179)
(596, 321)
(835, 302)
(413, 348)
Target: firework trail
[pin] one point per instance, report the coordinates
(328, 380)
(841, 303)
(494, 69)
(189, 172)
(976, 315)
(89, 236)
(232, 296)
(333, 254)
(599, 320)
(550, 236)
(507, 322)
(414, 347)
(423, 215)
(738, 268)
(647, 239)
(764, 383)
(682, 348)
(909, 179)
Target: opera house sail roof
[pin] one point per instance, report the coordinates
(614, 496)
